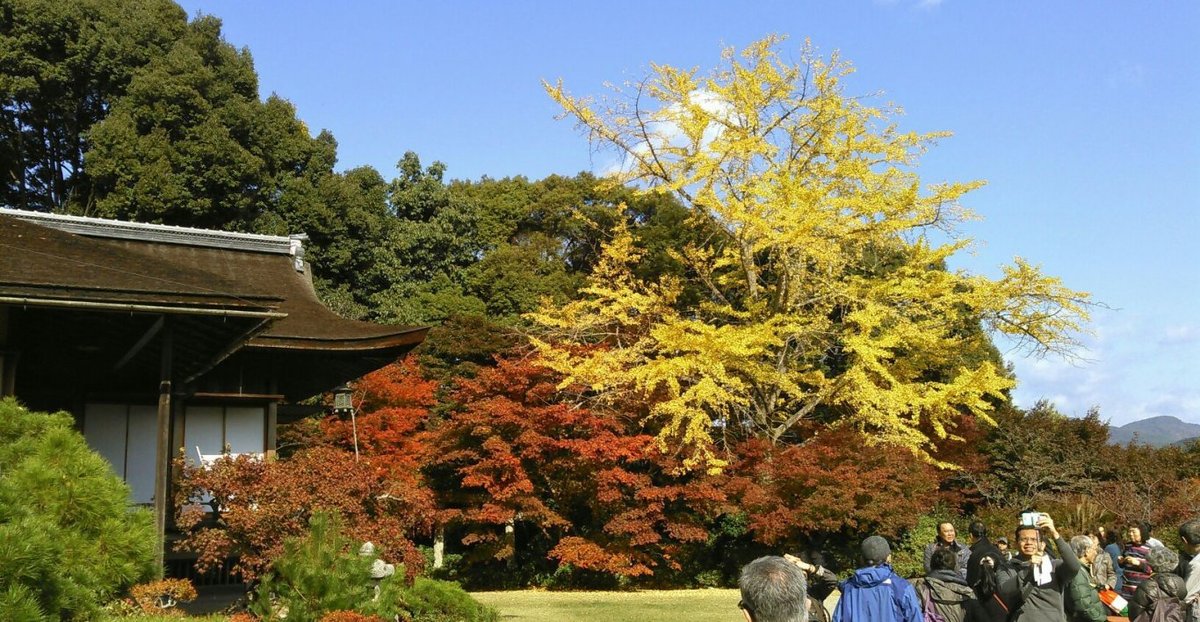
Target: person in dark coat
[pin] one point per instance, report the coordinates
(997, 590)
(946, 592)
(1189, 534)
(821, 583)
(1002, 546)
(1042, 582)
(1159, 585)
(947, 538)
(1082, 602)
(980, 547)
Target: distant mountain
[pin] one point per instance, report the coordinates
(1155, 431)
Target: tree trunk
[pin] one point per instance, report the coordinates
(510, 538)
(439, 547)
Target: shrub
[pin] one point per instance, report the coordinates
(68, 538)
(453, 566)
(710, 578)
(430, 600)
(316, 574)
(322, 574)
(160, 597)
(263, 503)
(121, 608)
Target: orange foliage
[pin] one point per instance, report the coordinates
(393, 404)
(263, 503)
(161, 597)
(833, 483)
(599, 492)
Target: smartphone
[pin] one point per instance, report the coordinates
(1030, 519)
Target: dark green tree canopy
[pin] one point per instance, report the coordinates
(63, 65)
(190, 143)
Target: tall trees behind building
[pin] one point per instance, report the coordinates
(749, 344)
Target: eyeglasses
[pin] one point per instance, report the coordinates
(1028, 541)
(744, 607)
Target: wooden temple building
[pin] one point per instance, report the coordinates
(158, 338)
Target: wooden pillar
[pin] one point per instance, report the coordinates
(162, 462)
(272, 432)
(8, 358)
(8, 372)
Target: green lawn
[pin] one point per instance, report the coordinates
(139, 618)
(647, 606)
(538, 606)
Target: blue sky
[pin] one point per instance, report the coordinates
(1080, 115)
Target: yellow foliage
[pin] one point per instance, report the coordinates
(825, 291)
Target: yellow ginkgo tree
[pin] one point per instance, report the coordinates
(827, 291)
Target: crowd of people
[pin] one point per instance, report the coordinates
(1044, 578)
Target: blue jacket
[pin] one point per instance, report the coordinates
(877, 594)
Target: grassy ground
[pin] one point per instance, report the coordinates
(648, 606)
(165, 619)
(538, 606)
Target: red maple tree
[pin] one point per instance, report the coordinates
(393, 405)
(245, 507)
(597, 488)
(834, 483)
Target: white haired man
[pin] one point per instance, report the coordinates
(773, 590)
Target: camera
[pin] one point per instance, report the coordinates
(1030, 519)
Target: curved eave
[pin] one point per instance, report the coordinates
(406, 338)
(154, 304)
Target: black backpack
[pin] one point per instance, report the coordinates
(1167, 609)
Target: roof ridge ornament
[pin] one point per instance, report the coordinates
(297, 250)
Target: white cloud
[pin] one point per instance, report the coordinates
(1137, 369)
(928, 4)
(1180, 334)
(667, 129)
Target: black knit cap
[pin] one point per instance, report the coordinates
(875, 550)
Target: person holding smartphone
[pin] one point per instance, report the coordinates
(1041, 581)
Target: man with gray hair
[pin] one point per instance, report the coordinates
(773, 590)
(1082, 603)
